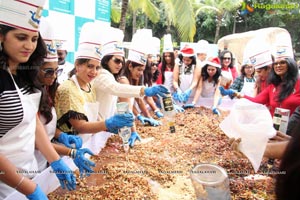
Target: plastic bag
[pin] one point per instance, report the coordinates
(252, 123)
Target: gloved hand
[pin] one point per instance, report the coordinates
(118, 121)
(225, 92)
(134, 136)
(37, 194)
(234, 145)
(191, 105)
(186, 95)
(149, 120)
(64, 174)
(216, 111)
(159, 114)
(178, 96)
(84, 164)
(178, 109)
(67, 140)
(156, 89)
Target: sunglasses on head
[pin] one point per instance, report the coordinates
(117, 60)
(282, 62)
(49, 72)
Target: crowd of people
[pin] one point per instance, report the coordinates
(49, 108)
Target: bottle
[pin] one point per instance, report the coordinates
(277, 119)
(169, 112)
(124, 132)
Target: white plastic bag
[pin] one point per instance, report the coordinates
(252, 123)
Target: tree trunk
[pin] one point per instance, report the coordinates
(133, 22)
(234, 24)
(123, 15)
(218, 26)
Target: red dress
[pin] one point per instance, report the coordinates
(267, 97)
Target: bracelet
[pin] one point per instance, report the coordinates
(20, 182)
(69, 152)
(73, 153)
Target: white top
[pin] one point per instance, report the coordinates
(108, 90)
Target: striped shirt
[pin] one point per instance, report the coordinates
(11, 110)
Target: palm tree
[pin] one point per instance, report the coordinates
(179, 13)
(123, 15)
(220, 8)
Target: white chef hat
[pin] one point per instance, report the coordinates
(47, 32)
(283, 46)
(21, 14)
(62, 44)
(138, 50)
(154, 46)
(258, 52)
(89, 42)
(112, 39)
(168, 45)
(202, 46)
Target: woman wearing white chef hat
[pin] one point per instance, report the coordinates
(75, 100)
(21, 53)
(106, 83)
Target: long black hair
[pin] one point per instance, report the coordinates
(164, 64)
(104, 64)
(205, 74)
(46, 108)
(288, 82)
(27, 72)
(126, 72)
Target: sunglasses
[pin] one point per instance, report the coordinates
(226, 58)
(117, 60)
(153, 64)
(49, 72)
(282, 62)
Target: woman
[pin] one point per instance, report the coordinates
(245, 83)
(107, 88)
(229, 72)
(21, 130)
(150, 76)
(165, 68)
(75, 100)
(186, 75)
(47, 76)
(208, 84)
(283, 90)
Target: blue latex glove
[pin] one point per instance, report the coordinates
(68, 140)
(156, 90)
(178, 96)
(186, 95)
(134, 136)
(37, 194)
(149, 120)
(191, 105)
(159, 114)
(178, 109)
(225, 92)
(84, 165)
(118, 121)
(216, 111)
(64, 174)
